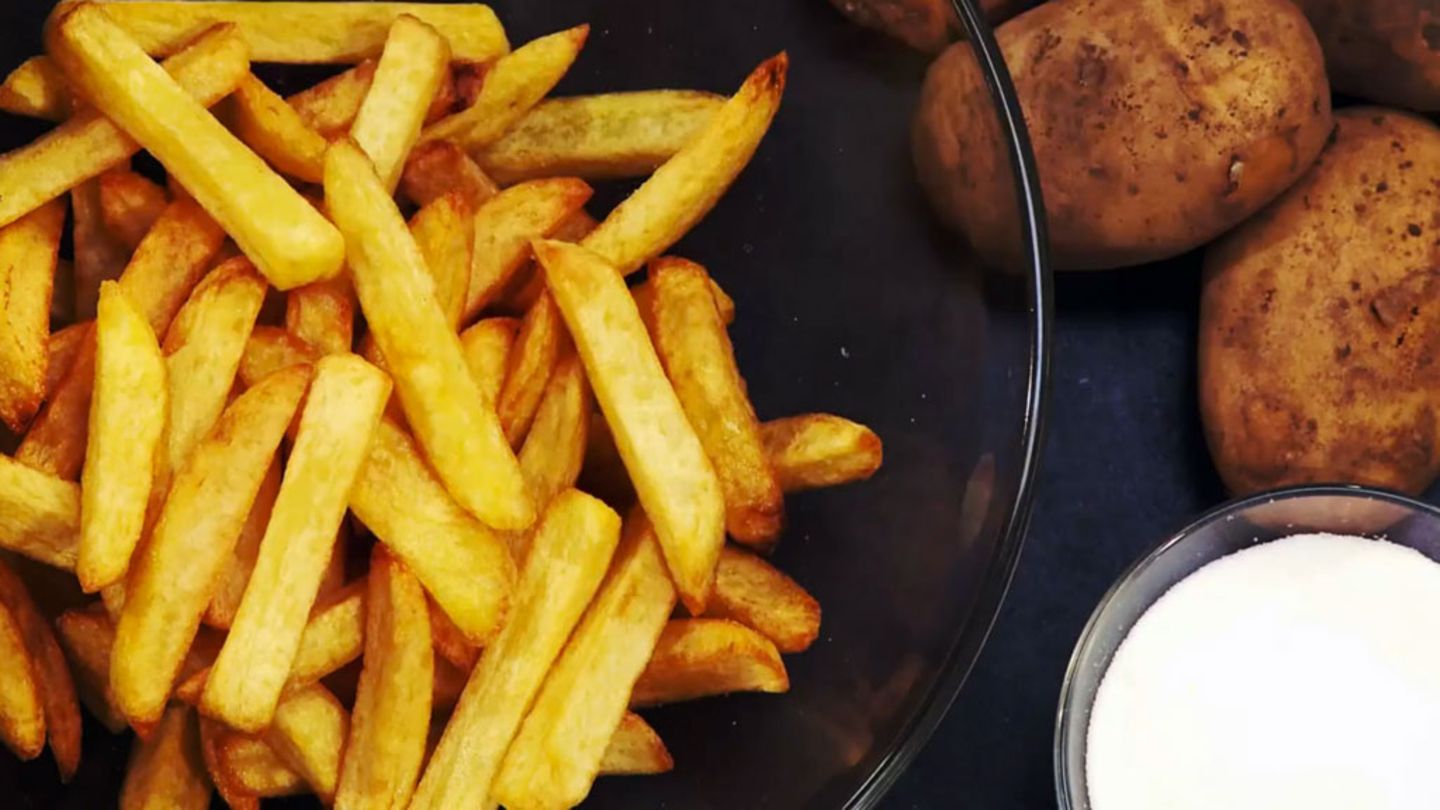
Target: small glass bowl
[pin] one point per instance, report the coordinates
(1229, 528)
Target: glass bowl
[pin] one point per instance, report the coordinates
(1229, 528)
(851, 299)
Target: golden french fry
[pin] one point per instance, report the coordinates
(459, 430)
(450, 641)
(99, 255)
(635, 750)
(276, 131)
(167, 770)
(532, 360)
(36, 89)
(340, 414)
(212, 736)
(87, 637)
(39, 514)
(289, 240)
(127, 422)
(29, 248)
(645, 299)
(572, 548)
(270, 349)
(64, 346)
(90, 143)
(253, 768)
(22, 707)
(695, 349)
(332, 579)
(323, 314)
(687, 186)
(504, 227)
(391, 719)
(129, 205)
(309, 735)
(309, 33)
(600, 137)
(514, 84)
(52, 676)
(675, 482)
(221, 612)
(557, 754)
(444, 230)
(413, 66)
(441, 167)
(487, 346)
(816, 450)
(554, 450)
(465, 566)
(175, 576)
(753, 592)
(698, 658)
(330, 107)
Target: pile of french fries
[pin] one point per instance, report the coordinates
(279, 575)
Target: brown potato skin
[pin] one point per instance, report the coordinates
(925, 25)
(1157, 125)
(1320, 320)
(1387, 51)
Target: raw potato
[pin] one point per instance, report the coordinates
(1319, 326)
(1157, 125)
(1383, 50)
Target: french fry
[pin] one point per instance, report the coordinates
(167, 770)
(444, 230)
(332, 579)
(695, 349)
(450, 641)
(645, 299)
(504, 227)
(340, 414)
(323, 314)
(22, 707)
(555, 447)
(440, 167)
(459, 430)
(687, 186)
(36, 89)
(309, 735)
(487, 346)
(412, 68)
(821, 450)
(235, 796)
(99, 255)
(64, 346)
(391, 719)
(514, 84)
(253, 768)
(29, 248)
(288, 240)
(665, 460)
(698, 658)
(309, 32)
(87, 637)
(557, 754)
(600, 137)
(449, 684)
(532, 360)
(270, 349)
(129, 205)
(329, 108)
(127, 422)
(62, 301)
(635, 750)
(572, 549)
(175, 575)
(465, 566)
(39, 514)
(753, 592)
(52, 676)
(89, 143)
(231, 588)
(276, 131)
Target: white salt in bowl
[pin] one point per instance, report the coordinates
(1232, 527)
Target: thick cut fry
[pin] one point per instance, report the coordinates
(175, 576)
(323, 315)
(635, 750)
(504, 227)
(270, 349)
(288, 240)
(514, 84)
(696, 352)
(129, 205)
(127, 422)
(645, 299)
(52, 676)
(440, 167)
(687, 186)
(310, 33)
(487, 346)
(753, 592)
(99, 255)
(445, 232)
(414, 64)
(554, 450)
(391, 720)
(29, 248)
(64, 347)
(816, 450)
(39, 515)
(675, 482)
(340, 414)
(450, 641)
(330, 107)
(698, 658)
(457, 427)
(601, 137)
(309, 735)
(465, 566)
(572, 549)
(22, 708)
(167, 770)
(212, 735)
(276, 131)
(253, 768)
(90, 143)
(557, 754)
(36, 89)
(221, 612)
(531, 363)
(87, 637)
